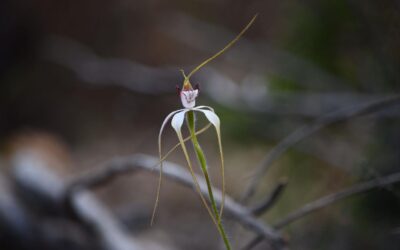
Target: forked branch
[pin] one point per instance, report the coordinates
(124, 165)
(307, 130)
(328, 200)
(338, 196)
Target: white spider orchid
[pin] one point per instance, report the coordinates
(188, 96)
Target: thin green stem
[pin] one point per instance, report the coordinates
(203, 163)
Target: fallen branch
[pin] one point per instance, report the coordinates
(42, 193)
(93, 69)
(270, 200)
(262, 207)
(326, 201)
(124, 165)
(335, 197)
(307, 130)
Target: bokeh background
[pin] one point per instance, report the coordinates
(84, 81)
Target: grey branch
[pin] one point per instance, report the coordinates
(326, 201)
(335, 197)
(307, 130)
(262, 207)
(250, 95)
(124, 165)
(270, 200)
(41, 190)
(93, 69)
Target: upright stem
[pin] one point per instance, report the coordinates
(203, 163)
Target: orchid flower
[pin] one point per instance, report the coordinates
(188, 96)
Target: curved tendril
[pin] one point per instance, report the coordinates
(160, 161)
(223, 49)
(198, 132)
(202, 130)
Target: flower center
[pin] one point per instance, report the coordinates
(188, 98)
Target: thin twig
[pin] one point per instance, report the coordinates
(40, 187)
(307, 130)
(335, 197)
(270, 200)
(262, 207)
(326, 201)
(124, 165)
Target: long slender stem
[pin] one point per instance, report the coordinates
(203, 163)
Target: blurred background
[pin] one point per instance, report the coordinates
(82, 82)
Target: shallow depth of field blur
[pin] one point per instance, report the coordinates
(84, 81)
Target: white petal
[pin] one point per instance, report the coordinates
(204, 107)
(160, 157)
(162, 128)
(212, 117)
(177, 120)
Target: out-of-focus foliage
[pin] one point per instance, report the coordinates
(101, 75)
